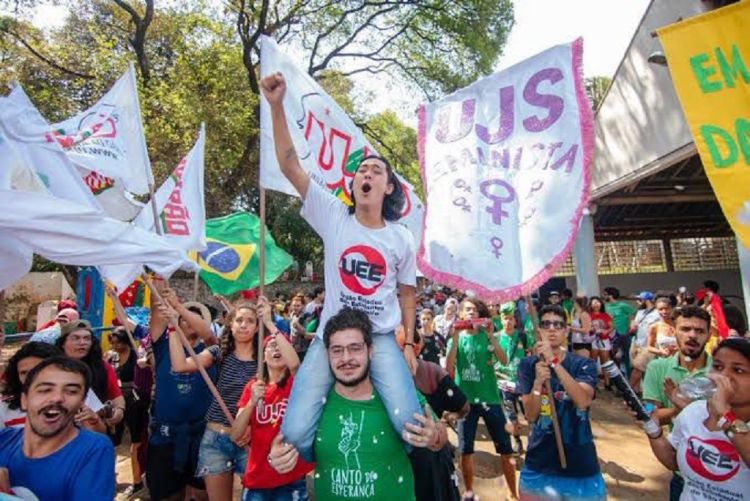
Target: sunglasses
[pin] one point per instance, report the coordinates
(552, 324)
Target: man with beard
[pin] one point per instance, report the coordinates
(50, 456)
(692, 328)
(358, 453)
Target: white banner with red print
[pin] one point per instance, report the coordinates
(505, 164)
(329, 145)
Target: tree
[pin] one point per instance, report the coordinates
(199, 63)
(596, 88)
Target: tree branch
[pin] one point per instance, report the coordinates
(44, 59)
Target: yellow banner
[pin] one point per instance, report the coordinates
(709, 59)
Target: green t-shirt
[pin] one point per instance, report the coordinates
(621, 314)
(515, 349)
(358, 453)
(475, 368)
(662, 368)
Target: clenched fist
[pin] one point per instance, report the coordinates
(274, 87)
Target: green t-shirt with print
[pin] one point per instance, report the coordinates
(475, 368)
(514, 345)
(358, 453)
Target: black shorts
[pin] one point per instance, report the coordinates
(162, 479)
(136, 418)
(494, 421)
(582, 346)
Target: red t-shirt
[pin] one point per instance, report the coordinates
(601, 322)
(113, 388)
(265, 424)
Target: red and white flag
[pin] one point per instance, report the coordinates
(108, 138)
(330, 146)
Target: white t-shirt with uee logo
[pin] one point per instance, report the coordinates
(363, 266)
(710, 464)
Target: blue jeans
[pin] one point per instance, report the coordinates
(389, 374)
(295, 491)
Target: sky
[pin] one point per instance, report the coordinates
(605, 25)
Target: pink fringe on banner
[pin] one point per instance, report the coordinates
(586, 119)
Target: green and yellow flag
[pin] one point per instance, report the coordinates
(230, 262)
(709, 59)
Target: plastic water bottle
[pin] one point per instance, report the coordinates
(697, 388)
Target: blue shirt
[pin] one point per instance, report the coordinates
(83, 469)
(575, 427)
(179, 398)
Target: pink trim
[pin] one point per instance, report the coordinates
(586, 118)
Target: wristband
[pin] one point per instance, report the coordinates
(553, 363)
(409, 344)
(727, 419)
(657, 437)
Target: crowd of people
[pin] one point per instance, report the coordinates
(356, 384)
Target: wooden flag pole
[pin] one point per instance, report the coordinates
(262, 280)
(548, 386)
(183, 339)
(109, 289)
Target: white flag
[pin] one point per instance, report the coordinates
(181, 207)
(24, 126)
(108, 138)
(506, 169)
(34, 220)
(329, 145)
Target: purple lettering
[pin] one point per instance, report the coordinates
(553, 103)
(444, 134)
(568, 159)
(507, 101)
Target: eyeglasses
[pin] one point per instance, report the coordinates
(353, 349)
(552, 324)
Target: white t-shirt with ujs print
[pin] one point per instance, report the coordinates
(363, 266)
(708, 461)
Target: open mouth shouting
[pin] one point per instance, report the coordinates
(366, 187)
(53, 414)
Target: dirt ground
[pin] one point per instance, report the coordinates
(630, 469)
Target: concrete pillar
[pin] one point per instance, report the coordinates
(744, 256)
(584, 257)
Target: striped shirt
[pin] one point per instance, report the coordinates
(233, 376)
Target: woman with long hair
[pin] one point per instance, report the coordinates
(601, 323)
(261, 411)
(580, 328)
(78, 342)
(219, 456)
(710, 441)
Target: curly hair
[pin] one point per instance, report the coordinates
(348, 318)
(227, 337)
(393, 203)
(13, 387)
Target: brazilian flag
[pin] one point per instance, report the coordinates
(231, 260)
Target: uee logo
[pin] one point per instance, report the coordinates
(715, 460)
(362, 269)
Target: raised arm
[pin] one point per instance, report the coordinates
(182, 363)
(288, 354)
(274, 89)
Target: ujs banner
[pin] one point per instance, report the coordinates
(709, 59)
(505, 164)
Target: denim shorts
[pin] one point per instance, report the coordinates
(294, 491)
(219, 454)
(535, 486)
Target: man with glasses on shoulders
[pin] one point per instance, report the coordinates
(573, 380)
